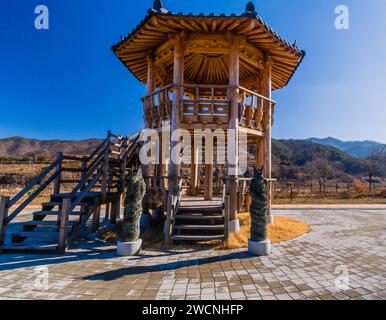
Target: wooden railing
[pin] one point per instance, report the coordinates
(157, 107)
(208, 104)
(254, 110)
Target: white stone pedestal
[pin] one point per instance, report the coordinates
(259, 248)
(234, 226)
(128, 249)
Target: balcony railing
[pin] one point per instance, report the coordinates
(208, 104)
(205, 104)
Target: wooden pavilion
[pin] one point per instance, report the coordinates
(207, 72)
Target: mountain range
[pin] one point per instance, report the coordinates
(292, 159)
(359, 149)
(19, 147)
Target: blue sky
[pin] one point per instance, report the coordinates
(66, 83)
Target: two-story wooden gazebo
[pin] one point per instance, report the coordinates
(207, 72)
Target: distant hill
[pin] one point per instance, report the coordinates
(18, 147)
(298, 159)
(360, 149)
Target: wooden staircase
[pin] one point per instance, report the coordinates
(100, 181)
(198, 223)
(193, 219)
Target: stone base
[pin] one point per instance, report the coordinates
(128, 249)
(271, 219)
(259, 248)
(234, 226)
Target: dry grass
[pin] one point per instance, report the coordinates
(284, 229)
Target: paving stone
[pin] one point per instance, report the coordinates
(300, 269)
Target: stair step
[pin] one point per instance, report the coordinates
(199, 227)
(59, 203)
(51, 203)
(55, 213)
(29, 248)
(197, 217)
(45, 223)
(196, 237)
(26, 234)
(200, 209)
(70, 195)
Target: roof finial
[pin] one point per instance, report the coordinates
(250, 10)
(158, 7)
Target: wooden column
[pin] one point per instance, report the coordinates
(178, 91)
(234, 69)
(208, 182)
(194, 171)
(96, 219)
(66, 208)
(267, 123)
(259, 152)
(150, 87)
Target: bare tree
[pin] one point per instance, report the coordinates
(322, 170)
(375, 162)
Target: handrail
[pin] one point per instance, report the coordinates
(86, 177)
(99, 147)
(31, 197)
(257, 94)
(34, 182)
(80, 197)
(157, 91)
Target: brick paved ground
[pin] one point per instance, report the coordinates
(305, 268)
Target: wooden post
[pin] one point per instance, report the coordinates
(168, 221)
(62, 241)
(150, 87)
(105, 169)
(209, 182)
(259, 152)
(226, 218)
(59, 156)
(3, 215)
(96, 219)
(178, 91)
(194, 171)
(234, 69)
(267, 125)
(123, 166)
(115, 211)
